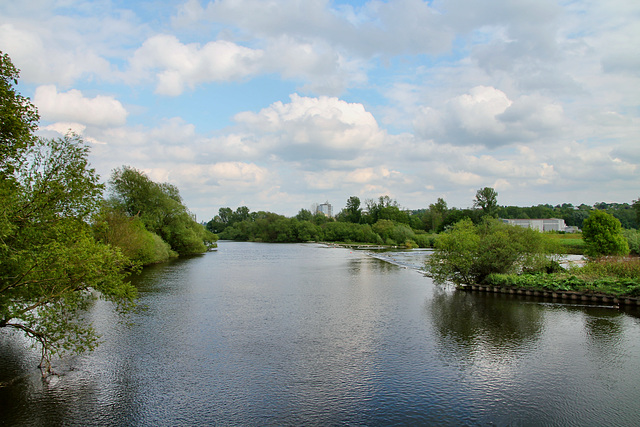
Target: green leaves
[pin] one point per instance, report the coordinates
(160, 209)
(468, 253)
(487, 200)
(51, 267)
(602, 233)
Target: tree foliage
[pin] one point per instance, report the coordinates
(160, 208)
(602, 234)
(18, 118)
(467, 253)
(633, 240)
(51, 267)
(353, 212)
(114, 227)
(487, 200)
(50, 264)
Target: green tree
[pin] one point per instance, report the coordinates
(353, 212)
(468, 253)
(487, 200)
(49, 260)
(602, 233)
(633, 240)
(161, 210)
(434, 217)
(50, 265)
(18, 119)
(114, 227)
(304, 215)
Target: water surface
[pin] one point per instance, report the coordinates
(265, 334)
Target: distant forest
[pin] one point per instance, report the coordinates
(383, 221)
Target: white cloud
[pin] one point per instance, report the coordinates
(409, 98)
(313, 128)
(179, 66)
(32, 51)
(393, 27)
(73, 106)
(486, 116)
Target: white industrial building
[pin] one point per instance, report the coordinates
(547, 224)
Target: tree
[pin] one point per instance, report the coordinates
(384, 208)
(304, 215)
(161, 210)
(435, 215)
(114, 227)
(19, 119)
(468, 253)
(353, 212)
(50, 265)
(487, 200)
(602, 234)
(49, 261)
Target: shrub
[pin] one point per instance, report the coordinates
(633, 240)
(469, 253)
(602, 233)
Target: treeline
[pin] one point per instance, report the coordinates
(148, 221)
(438, 216)
(382, 223)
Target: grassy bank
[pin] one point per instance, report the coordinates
(616, 276)
(570, 243)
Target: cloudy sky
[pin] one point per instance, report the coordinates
(279, 104)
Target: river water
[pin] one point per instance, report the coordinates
(302, 334)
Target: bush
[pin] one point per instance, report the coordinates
(633, 240)
(469, 253)
(114, 227)
(618, 276)
(602, 233)
(425, 240)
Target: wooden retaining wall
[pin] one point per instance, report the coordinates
(561, 295)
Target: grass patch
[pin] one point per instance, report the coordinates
(570, 243)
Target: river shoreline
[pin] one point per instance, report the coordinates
(571, 296)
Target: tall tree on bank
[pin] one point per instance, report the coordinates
(353, 211)
(161, 210)
(487, 200)
(435, 216)
(50, 264)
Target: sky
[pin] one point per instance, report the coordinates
(281, 104)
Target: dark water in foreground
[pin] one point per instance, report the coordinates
(259, 334)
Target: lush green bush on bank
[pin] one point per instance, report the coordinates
(467, 253)
(618, 276)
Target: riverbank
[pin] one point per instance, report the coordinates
(572, 296)
(606, 279)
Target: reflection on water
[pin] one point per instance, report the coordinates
(258, 334)
(470, 326)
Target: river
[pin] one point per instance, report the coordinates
(303, 334)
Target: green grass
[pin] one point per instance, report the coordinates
(570, 243)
